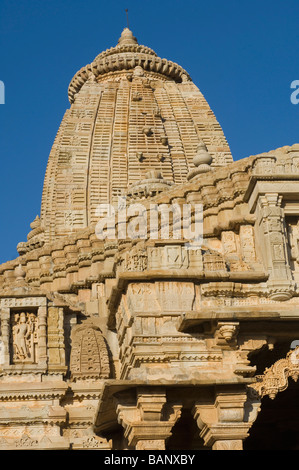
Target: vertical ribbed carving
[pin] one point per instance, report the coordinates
(89, 354)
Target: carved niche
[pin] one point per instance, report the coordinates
(89, 353)
(23, 338)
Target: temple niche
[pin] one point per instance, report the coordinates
(89, 354)
(152, 342)
(24, 338)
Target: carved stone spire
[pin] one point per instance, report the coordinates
(127, 37)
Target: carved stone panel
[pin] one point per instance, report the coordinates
(275, 246)
(24, 339)
(247, 243)
(89, 355)
(293, 244)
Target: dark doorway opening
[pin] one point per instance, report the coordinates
(277, 424)
(185, 434)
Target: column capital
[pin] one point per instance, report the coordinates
(222, 424)
(147, 422)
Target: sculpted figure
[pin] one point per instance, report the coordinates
(23, 336)
(14, 334)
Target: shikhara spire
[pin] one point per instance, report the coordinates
(131, 112)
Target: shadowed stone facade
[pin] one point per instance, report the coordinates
(134, 344)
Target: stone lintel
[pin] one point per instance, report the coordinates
(254, 313)
(287, 188)
(123, 280)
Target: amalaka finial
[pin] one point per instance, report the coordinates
(127, 37)
(202, 161)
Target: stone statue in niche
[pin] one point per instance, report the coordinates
(24, 337)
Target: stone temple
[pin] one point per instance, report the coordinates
(141, 342)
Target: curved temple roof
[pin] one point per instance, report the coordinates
(131, 112)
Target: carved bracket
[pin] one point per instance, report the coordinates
(226, 333)
(276, 378)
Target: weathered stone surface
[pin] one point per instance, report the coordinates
(107, 344)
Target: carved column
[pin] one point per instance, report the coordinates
(147, 422)
(56, 339)
(272, 225)
(5, 330)
(222, 425)
(42, 335)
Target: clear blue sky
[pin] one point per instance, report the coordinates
(243, 55)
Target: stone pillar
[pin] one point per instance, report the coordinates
(271, 222)
(221, 424)
(147, 422)
(5, 330)
(42, 336)
(56, 347)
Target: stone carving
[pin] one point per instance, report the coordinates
(26, 442)
(223, 424)
(114, 59)
(276, 378)
(137, 260)
(229, 242)
(228, 330)
(149, 421)
(89, 354)
(226, 334)
(213, 261)
(153, 88)
(152, 184)
(35, 238)
(176, 328)
(280, 284)
(93, 443)
(272, 165)
(202, 160)
(228, 445)
(150, 444)
(293, 232)
(24, 338)
(247, 243)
